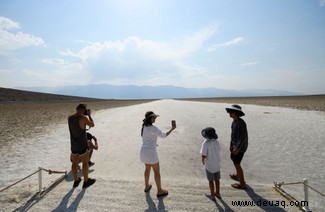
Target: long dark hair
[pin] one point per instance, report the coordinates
(147, 121)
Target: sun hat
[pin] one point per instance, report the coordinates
(235, 109)
(149, 114)
(209, 132)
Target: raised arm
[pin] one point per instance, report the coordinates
(87, 120)
(170, 131)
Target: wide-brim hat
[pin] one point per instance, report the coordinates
(209, 132)
(150, 114)
(235, 109)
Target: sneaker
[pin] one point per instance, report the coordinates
(88, 183)
(76, 183)
(91, 163)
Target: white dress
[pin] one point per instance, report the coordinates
(148, 152)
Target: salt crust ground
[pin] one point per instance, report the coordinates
(119, 172)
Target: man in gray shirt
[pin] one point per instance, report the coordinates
(238, 144)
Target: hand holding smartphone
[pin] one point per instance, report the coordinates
(173, 123)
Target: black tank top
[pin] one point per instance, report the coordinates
(78, 137)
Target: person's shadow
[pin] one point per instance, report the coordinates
(224, 204)
(63, 206)
(152, 206)
(69, 176)
(259, 201)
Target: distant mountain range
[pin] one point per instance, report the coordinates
(106, 91)
(15, 95)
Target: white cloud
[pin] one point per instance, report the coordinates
(11, 41)
(7, 24)
(141, 60)
(130, 61)
(56, 75)
(176, 49)
(251, 63)
(53, 61)
(322, 2)
(232, 42)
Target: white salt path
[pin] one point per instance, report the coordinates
(284, 145)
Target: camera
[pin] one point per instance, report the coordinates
(86, 112)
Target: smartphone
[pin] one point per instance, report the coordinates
(173, 123)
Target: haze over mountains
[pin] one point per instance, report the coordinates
(106, 91)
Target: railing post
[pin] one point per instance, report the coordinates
(39, 179)
(306, 206)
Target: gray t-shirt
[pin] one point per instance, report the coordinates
(239, 135)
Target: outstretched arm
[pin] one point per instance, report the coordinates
(170, 131)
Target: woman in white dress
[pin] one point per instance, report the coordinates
(148, 153)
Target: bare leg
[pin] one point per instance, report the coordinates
(240, 174)
(147, 175)
(156, 170)
(217, 183)
(85, 166)
(74, 166)
(90, 154)
(211, 185)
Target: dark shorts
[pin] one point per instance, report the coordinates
(79, 152)
(212, 176)
(237, 158)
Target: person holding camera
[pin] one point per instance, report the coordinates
(79, 144)
(148, 152)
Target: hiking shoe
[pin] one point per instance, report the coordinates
(91, 163)
(88, 183)
(77, 182)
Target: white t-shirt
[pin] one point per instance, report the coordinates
(148, 153)
(211, 149)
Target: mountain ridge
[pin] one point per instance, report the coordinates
(107, 91)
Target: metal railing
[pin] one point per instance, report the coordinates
(39, 171)
(306, 186)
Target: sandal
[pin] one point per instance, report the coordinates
(148, 189)
(165, 193)
(234, 177)
(212, 198)
(238, 186)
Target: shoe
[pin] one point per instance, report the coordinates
(76, 183)
(91, 163)
(88, 183)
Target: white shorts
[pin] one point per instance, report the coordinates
(148, 156)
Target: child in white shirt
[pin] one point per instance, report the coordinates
(210, 151)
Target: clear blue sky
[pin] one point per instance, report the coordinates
(251, 44)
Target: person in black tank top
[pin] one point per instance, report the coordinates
(79, 145)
